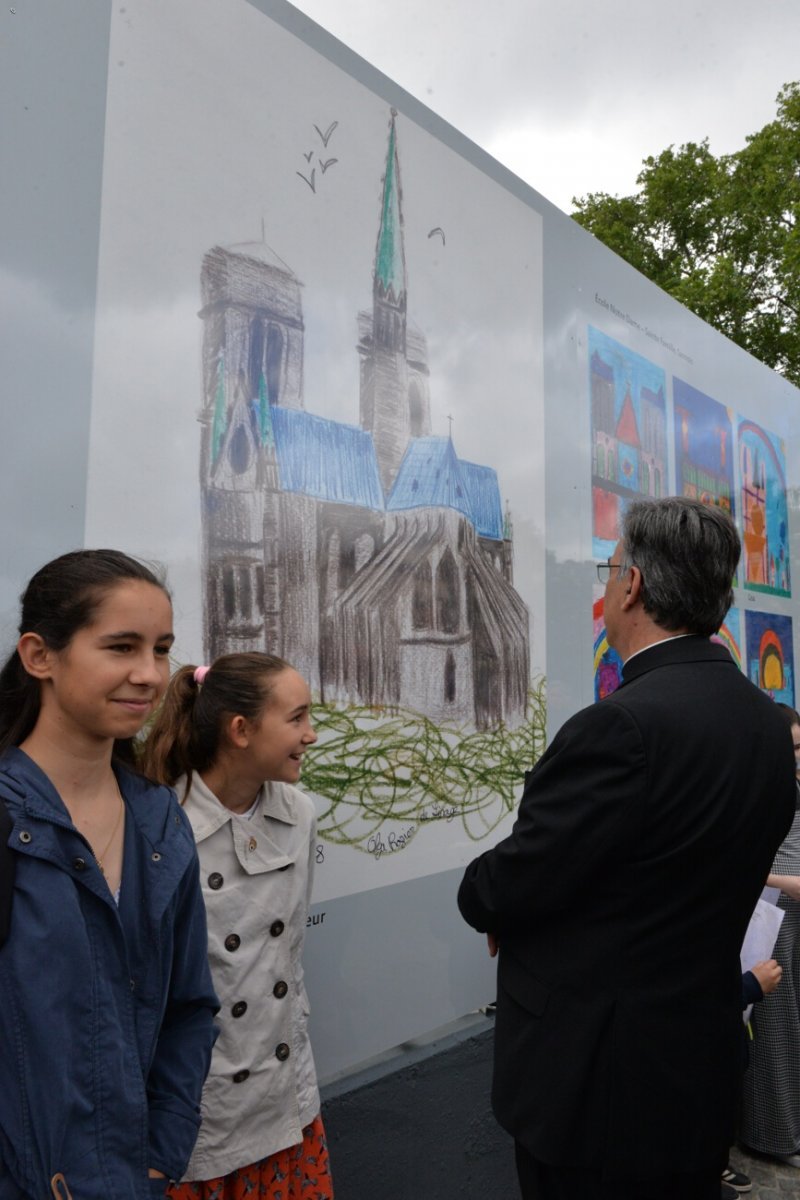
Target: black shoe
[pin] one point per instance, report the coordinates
(735, 1180)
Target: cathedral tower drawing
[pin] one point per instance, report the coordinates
(371, 557)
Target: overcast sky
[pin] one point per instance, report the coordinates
(572, 94)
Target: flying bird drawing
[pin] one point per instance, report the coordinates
(325, 163)
(440, 232)
(326, 136)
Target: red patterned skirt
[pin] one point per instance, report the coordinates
(300, 1173)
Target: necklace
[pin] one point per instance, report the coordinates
(98, 858)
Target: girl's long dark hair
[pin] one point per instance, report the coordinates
(61, 598)
(186, 734)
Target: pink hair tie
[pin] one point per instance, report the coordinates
(200, 674)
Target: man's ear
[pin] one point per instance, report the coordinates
(35, 655)
(634, 590)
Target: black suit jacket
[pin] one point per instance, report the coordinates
(620, 900)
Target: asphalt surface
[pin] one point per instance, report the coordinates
(771, 1180)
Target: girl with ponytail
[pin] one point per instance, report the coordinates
(106, 1002)
(230, 739)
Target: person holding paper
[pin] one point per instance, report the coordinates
(620, 899)
(771, 1108)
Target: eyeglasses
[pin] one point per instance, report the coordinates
(604, 570)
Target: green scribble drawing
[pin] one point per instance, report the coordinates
(371, 768)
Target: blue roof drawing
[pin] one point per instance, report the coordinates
(656, 398)
(600, 367)
(484, 497)
(326, 459)
(431, 475)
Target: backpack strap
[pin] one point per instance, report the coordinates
(7, 869)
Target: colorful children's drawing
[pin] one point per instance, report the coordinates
(629, 446)
(703, 447)
(730, 636)
(607, 663)
(764, 521)
(770, 654)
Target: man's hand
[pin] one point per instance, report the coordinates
(492, 940)
(790, 884)
(768, 975)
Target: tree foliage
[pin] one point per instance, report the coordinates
(722, 235)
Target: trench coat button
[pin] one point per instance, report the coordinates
(251, 845)
(280, 989)
(240, 1076)
(282, 1052)
(276, 928)
(239, 1008)
(79, 864)
(215, 881)
(24, 836)
(232, 942)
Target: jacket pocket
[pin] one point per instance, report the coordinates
(523, 987)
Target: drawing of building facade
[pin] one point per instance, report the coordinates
(628, 454)
(705, 474)
(372, 557)
(759, 565)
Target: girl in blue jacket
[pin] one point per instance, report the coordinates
(106, 1001)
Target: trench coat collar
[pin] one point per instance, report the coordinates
(208, 815)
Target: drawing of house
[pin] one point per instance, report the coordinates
(703, 437)
(371, 556)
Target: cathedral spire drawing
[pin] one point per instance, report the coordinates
(370, 556)
(390, 281)
(394, 390)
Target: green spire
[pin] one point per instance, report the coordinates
(390, 267)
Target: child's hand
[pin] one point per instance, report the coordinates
(768, 975)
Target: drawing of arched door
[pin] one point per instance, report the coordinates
(770, 663)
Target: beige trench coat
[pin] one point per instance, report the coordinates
(256, 875)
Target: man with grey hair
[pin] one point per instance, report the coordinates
(620, 899)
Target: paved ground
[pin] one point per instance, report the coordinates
(771, 1180)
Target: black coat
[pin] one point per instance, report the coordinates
(620, 900)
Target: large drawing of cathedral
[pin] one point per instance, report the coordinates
(370, 556)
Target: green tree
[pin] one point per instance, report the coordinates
(721, 235)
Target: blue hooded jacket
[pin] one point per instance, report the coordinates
(105, 1011)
